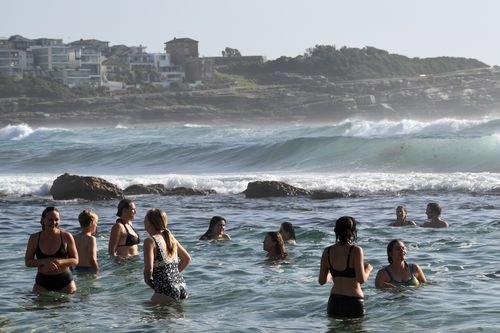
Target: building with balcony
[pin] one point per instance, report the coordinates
(15, 62)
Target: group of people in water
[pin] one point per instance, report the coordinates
(57, 253)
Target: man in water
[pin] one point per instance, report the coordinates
(433, 212)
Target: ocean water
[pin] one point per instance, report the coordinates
(232, 286)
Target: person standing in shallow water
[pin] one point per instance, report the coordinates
(343, 263)
(433, 212)
(216, 229)
(53, 252)
(162, 268)
(124, 240)
(86, 244)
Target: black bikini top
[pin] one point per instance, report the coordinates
(347, 272)
(60, 253)
(131, 239)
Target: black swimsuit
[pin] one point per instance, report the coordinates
(347, 272)
(131, 239)
(342, 306)
(52, 282)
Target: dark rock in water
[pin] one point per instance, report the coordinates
(322, 194)
(67, 187)
(263, 189)
(188, 191)
(3, 194)
(145, 189)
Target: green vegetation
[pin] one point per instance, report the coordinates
(224, 80)
(353, 63)
(32, 87)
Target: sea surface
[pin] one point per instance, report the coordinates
(232, 286)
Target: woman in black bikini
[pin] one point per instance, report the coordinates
(53, 252)
(123, 239)
(343, 263)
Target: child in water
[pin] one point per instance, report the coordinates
(86, 244)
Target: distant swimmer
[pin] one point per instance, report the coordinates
(53, 252)
(401, 218)
(433, 212)
(399, 272)
(288, 233)
(343, 263)
(86, 244)
(216, 230)
(124, 240)
(274, 246)
(164, 259)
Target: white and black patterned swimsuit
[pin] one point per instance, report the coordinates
(166, 276)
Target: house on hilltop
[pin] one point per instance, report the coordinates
(184, 52)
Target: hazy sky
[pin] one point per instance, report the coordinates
(424, 28)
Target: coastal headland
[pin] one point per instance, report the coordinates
(284, 98)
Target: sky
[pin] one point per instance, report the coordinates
(272, 28)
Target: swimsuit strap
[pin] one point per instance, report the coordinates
(160, 249)
(386, 268)
(348, 257)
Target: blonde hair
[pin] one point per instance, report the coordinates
(86, 217)
(159, 220)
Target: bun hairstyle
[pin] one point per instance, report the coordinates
(45, 212)
(159, 220)
(345, 230)
(124, 203)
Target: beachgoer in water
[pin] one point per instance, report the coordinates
(162, 268)
(53, 252)
(433, 212)
(399, 272)
(274, 246)
(216, 230)
(86, 244)
(288, 233)
(401, 218)
(124, 240)
(343, 263)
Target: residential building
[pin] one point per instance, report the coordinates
(15, 62)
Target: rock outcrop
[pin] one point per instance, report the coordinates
(188, 191)
(68, 187)
(145, 189)
(322, 194)
(264, 189)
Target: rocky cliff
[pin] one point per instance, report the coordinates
(290, 98)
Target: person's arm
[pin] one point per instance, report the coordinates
(419, 274)
(382, 280)
(362, 270)
(93, 254)
(114, 239)
(72, 259)
(183, 255)
(149, 250)
(324, 273)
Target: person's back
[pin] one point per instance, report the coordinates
(341, 260)
(86, 244)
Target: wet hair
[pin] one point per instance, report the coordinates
(345, 230)
(403, 209)
(86, 217)
(434, 206)
(390, 247)
(279, 244)
(288, 227)
(159, 220)
(124, 203)
(211, 226)
(45, 212)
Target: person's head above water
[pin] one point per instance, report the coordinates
(345, 230)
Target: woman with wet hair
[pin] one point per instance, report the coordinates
(401, 218)
(399, 272)
(274, 246)
(124, 240)
(343, 263)
(53, 252)
(216, 229)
